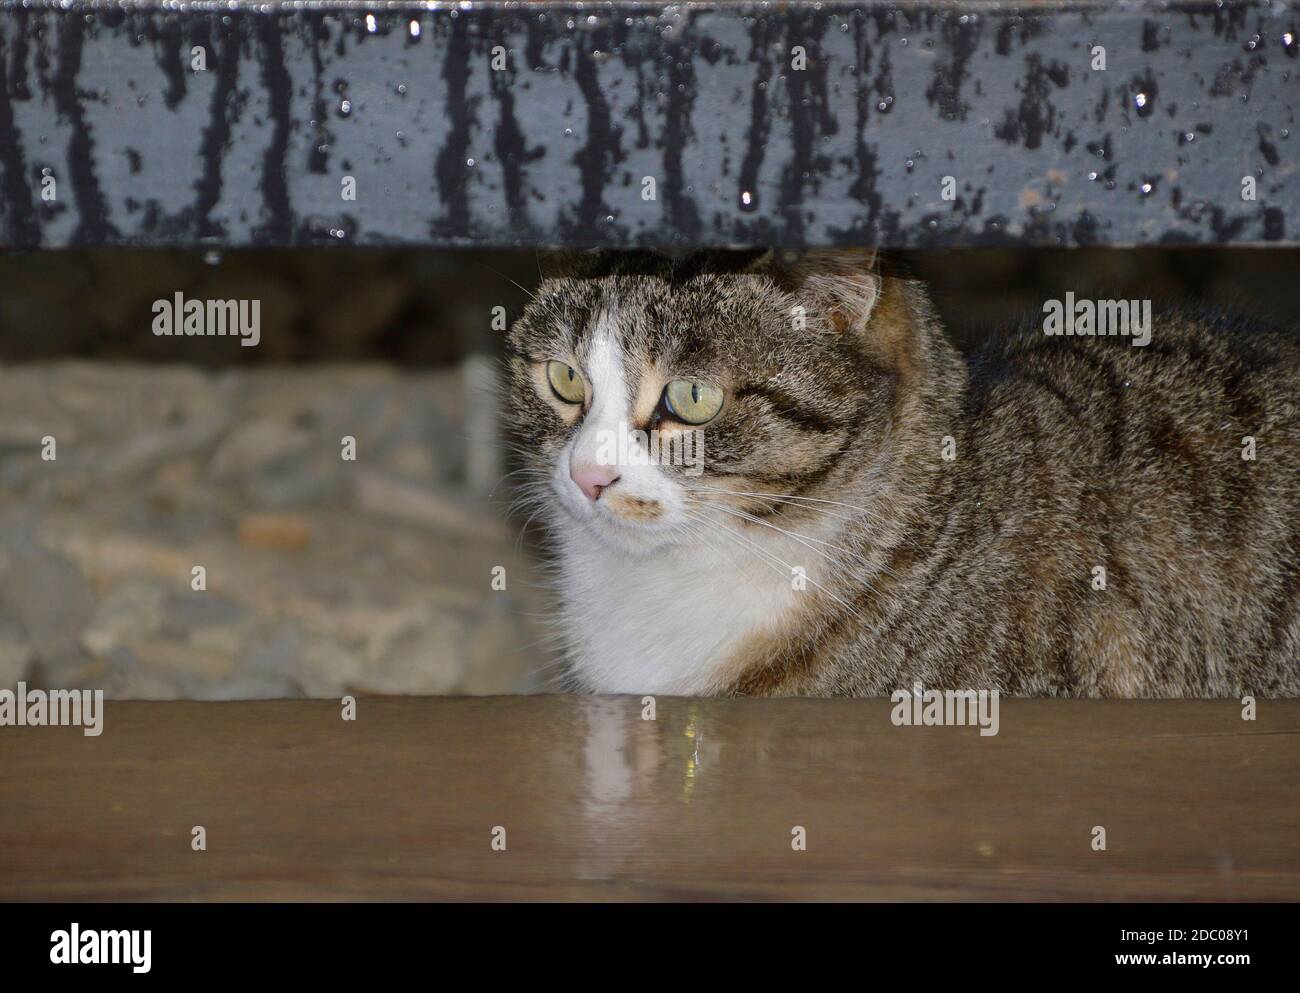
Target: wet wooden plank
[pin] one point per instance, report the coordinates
(700, 803)
(914, 124)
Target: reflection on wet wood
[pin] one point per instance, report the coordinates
(698, 804)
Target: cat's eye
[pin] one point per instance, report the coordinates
(692, 402)
(566, 382)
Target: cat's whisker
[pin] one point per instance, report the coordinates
(856, 556)
(513, 472)
(861, 559)
(788, 496)
(519, 541)
(532, 505)
(707, 530)
(805, 540)
(530, 294)
(847, 518)
(789, 568)
(535, 487)
(766, 557)
(792, 498)
(838, 568)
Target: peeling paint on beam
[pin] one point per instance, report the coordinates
(744, 149)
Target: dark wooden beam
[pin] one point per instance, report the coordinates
(596, 802)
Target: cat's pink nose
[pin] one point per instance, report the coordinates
(592, 479)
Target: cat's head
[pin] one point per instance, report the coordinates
(648, 396)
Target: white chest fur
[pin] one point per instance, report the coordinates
(669, 623)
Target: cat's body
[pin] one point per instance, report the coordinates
(874, 511)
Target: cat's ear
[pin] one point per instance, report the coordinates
(840, 284)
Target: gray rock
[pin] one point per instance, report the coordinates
(47, 596)
(16, 654)
(146, 450)
(132, 612)
(324, 577)
(183, 612)
(254, 446)
(277, 657)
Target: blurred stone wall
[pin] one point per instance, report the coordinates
(322, 575)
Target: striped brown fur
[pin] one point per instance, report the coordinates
(1071, 453)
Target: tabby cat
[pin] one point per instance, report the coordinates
(1060, 516)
